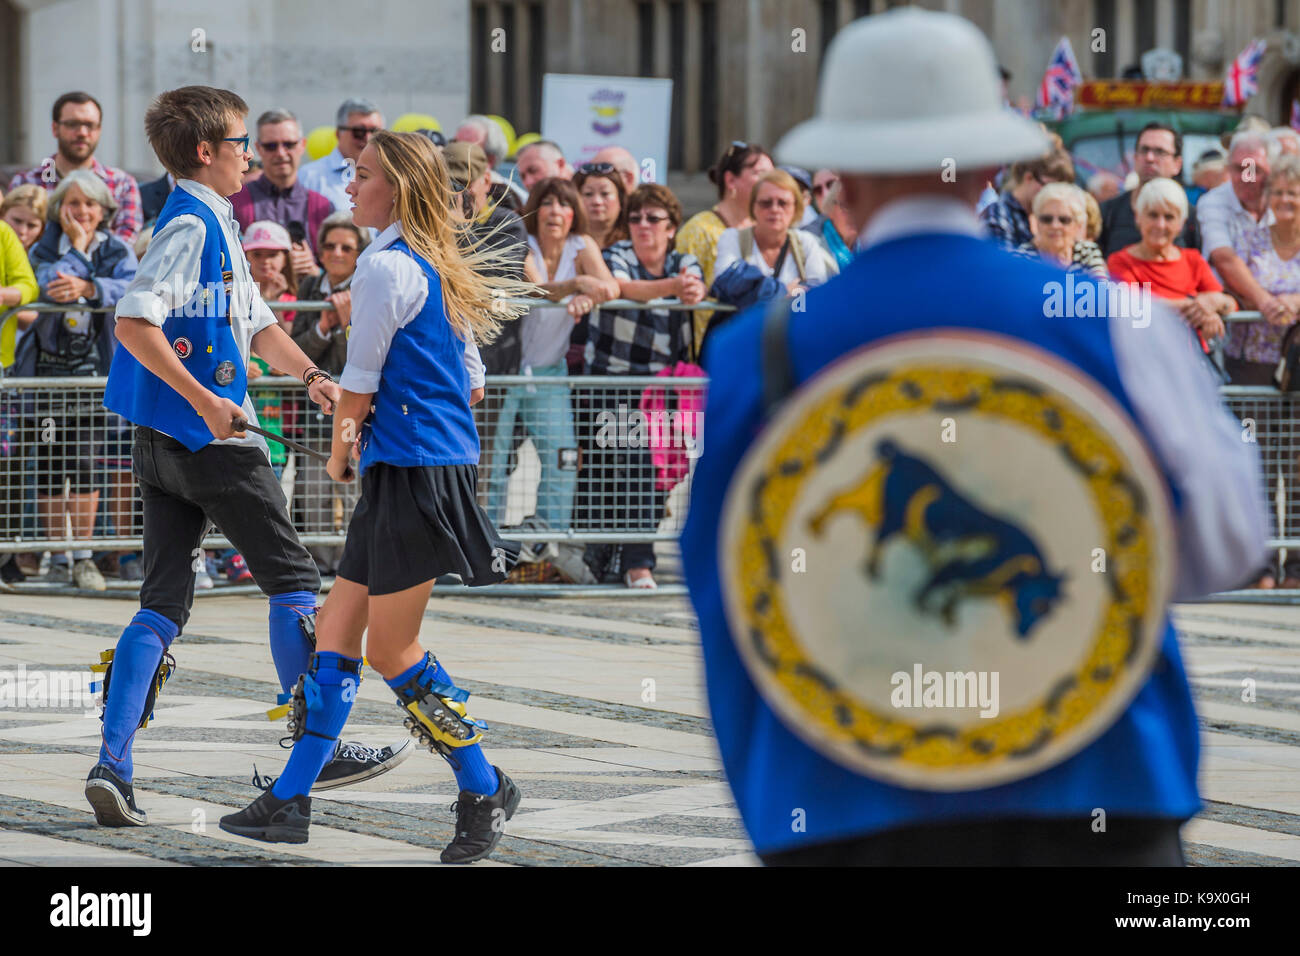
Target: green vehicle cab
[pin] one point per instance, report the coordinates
(1102, 133)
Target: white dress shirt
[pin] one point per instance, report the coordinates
(329, 176)
(388, 291)
(169, 274)
(1222, 524)
(816, 270)
(1223, 219)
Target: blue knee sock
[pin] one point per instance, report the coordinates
(331, 688)
(473, 772)
(290, 648)
(135, 662)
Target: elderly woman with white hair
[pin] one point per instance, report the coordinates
(78, 263)
(1059, 223)
(1181, 276)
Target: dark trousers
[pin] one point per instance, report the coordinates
(1125, 842)
(617, 484)
(229, 486)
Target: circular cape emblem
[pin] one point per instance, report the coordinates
(225, 373)
(946, 561)
(183, 347)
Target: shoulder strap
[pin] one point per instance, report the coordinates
(746, 239)
(796, 250)
(778, 375)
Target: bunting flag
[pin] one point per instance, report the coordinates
(1242, 80)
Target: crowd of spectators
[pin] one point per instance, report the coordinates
(585, 233)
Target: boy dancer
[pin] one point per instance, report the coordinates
(186, 325)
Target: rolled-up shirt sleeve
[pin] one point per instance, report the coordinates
(474, 365)
(1212, 215)
(169, 272)
(388, 291)
(262, 316)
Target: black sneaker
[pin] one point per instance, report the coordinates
(10, 573)
(353, 762)
(480, 821)
(271, 820)
(112, 799)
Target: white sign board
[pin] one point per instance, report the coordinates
(584, 114)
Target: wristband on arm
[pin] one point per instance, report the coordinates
(314, 374)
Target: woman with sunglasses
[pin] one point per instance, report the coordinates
(791, 256)
(1059, 222)
(646, 267)
(735, 173)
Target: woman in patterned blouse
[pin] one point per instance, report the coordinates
(1272, 253)
(1252, 350)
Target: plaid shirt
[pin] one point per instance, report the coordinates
(1007, 222)
(126, 224)
(638, 341)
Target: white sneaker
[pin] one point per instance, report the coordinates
(87, 577)
(202, 580)
(568, 561)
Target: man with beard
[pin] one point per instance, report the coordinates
(76, 126)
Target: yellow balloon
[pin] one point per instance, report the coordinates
(410, 122)
(321, 141)
(507, 129)
(523, 141)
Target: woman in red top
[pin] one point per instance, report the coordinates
(1179, 275)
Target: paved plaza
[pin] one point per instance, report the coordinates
(597, 710)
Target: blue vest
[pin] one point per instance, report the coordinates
(421, 415)
(1144, 765)
(203, 322)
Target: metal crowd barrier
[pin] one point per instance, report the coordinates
(576, 459)
(565, 459)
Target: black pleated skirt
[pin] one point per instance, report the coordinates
(414, 524)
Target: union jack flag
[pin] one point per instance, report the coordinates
(1056, 92)
(1242, 79)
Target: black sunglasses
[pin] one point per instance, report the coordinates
(361, 132)
(587, 169)
(287, 144)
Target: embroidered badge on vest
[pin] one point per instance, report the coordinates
(946, 561)
(183, 348)
(225, 373)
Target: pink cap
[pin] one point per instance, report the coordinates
(265, 234)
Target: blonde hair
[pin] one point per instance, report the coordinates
(29, 196)
(783, 180)
(1094, 216)
(422, 197)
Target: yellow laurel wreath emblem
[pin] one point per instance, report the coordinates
(839, 717)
